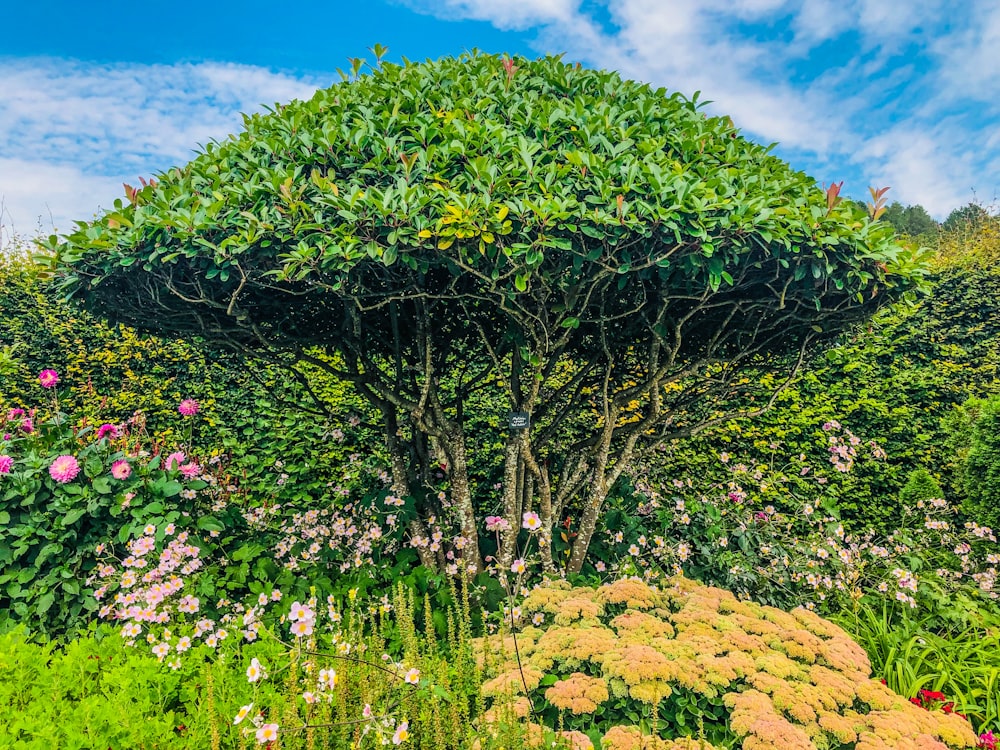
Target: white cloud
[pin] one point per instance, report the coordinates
(881, 83)
(970, 60)
(511, 14)
(819, 20)
(39, 198)
(853, 88)
(79, 130)
(911, 161)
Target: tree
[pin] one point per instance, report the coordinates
(913, 221)
(967, 218)
(594, 252)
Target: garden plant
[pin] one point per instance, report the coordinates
(601, 255)
(497, 403)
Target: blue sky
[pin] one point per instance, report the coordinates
(865, 91)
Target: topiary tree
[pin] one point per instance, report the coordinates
(920, 486)
(591, 251)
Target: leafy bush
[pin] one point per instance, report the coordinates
(101, 694)
(91, 693)
(110, 372)
(312, 676)
(981, 468)
(894, 380)
(689, 660)
(919, 487)
(65, 491)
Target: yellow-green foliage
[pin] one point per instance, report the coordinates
(109, 372)
(975, 242)
(106, 373)
(789, 680)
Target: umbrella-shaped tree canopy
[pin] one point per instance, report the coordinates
(578, 242)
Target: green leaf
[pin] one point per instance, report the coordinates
(53, 548)
(45, 601)
(170, 489)
(210, 523)
(73, 516)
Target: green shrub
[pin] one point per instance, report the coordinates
(67, 489)
(336, 688)
(90, 693)
(110, 372)
(900, 380)
(920, 486)
(981, 468)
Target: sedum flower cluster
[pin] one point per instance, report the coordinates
(758, 677)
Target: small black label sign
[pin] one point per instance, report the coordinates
(519, 420)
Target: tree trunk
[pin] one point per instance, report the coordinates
(511, 501)
(401, 484)
(461, 496)
(596, 495)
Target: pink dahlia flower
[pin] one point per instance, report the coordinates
(174, 460)
(107, 429)
(190, 470)
(48, 378)
(28, 425)
(6, 464)
(121, 469)
(188, 407)
(64, 469)
(15, 414)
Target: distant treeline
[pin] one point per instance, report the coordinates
(914, 221)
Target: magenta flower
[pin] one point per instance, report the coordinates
(27, 425)
(14, 414)
(988, 740)
(6, 464)
(188, 407)
(48, 378)
(121, 469)
(106, 429)
(64, 469)
(174, 460)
